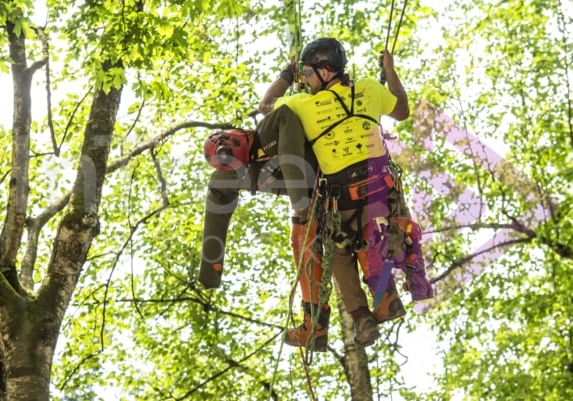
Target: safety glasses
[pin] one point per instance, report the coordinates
(307, 73)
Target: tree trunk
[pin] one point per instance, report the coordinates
(29, 350)
(355, 360)
(30, 323)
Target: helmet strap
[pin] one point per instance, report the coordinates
(322, 81)
(325, 83)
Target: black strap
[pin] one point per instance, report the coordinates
(346, 229)
(358, 241)
(349, 113)
(257, 144)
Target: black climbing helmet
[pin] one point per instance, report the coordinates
(324, 53)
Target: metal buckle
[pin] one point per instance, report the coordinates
(321, 189)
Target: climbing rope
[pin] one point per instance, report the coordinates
(297, 47)
(323, 245)
(388, 30)
(301, 269)
(297, 27)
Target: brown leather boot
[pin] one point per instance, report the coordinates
(301, 336)
(391, 306)
(365, 327)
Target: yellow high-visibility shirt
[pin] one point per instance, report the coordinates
(355, 139)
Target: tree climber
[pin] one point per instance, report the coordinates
(353, 158)
(222, 199)
(402, 239)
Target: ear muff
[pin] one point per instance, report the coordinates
(229, 149)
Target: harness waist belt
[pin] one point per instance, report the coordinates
(360, 171)
(360, 180)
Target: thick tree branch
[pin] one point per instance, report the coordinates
(115, 165)
(19, 186)
(34, 226)
(8, 296)
(13, 228)
(563, 250)
(80, 223)
(464, 261)
(45, 51)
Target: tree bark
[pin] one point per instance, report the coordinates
(30, 324)
(355, 360)
(14, 221)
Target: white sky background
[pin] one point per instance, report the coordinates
(418, 346)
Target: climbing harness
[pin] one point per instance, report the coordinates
(363, 180)
(349, 114)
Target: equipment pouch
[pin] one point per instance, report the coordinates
(407, 226)
(369, 186)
